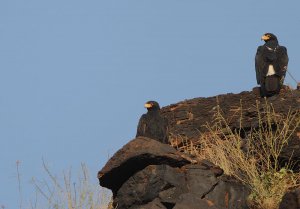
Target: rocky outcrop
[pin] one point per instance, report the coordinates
(188, 119)
(148, 174)
(135, 156)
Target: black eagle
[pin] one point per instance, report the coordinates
(271, 63)
(153, 124)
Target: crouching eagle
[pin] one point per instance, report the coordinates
(153, 124)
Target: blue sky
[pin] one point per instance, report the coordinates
(74, 75)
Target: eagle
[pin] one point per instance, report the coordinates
(271, 62)
(152, 124)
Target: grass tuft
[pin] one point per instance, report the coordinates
(253, 159)
(65, 193)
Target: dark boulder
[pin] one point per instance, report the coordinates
(188, 119)
(150, 183)
(229, 193)
(155, 204)
(291, 200)
(192, 201)
(135, 156)
(200, 180)
(191, 186)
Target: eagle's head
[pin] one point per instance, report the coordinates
(152, 105)
(269, 37)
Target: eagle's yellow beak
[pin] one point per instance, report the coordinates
(148, 105)
(265, 38)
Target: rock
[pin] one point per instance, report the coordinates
(148, 184)
(256, 91)
(229, 193)
(291, 200)
(200, 180)
(172, 185)
(146, 174)
(192, 201)
(188, 119)
(155, 204)
(135, 156)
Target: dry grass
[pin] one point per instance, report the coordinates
(78, 194)
(66, 193)
(254, 160)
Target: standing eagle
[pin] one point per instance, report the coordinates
(153, 124)
(271, 63)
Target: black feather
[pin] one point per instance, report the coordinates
(271, 53)
(153, 124)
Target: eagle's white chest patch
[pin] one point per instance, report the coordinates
(271, 70)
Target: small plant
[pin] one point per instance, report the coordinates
(254, 159)
(67, 194)
(19, 185)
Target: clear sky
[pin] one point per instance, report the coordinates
(74, 75)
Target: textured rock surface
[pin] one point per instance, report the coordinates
(192, 201)
(291, 200)
(133, 157)
(147, 184)
(155, 204)
(188, 118)
(191, 185)
(228, 193)
(148, 174)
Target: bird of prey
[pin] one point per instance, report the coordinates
(271, 63)
(153, 124)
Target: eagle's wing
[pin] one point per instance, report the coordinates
(283, 59)
(141, 126)
(259, 63)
